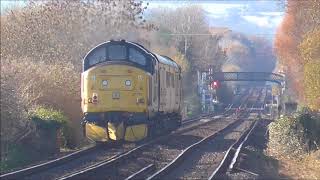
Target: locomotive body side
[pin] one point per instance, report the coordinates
(170, 86)
(128, 93)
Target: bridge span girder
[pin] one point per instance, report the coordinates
(247, 76)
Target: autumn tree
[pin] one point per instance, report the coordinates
(248, 53)
(180, 24)
(63, 31)
(186, 30)
(301, 18)
(42, 46)
(310, 52)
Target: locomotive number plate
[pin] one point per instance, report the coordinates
(116, 95)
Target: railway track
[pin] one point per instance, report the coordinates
(225, 166)
(153, 154)
(71, 162)
(75, 161)
(46, 165)
(168, 172)
(230, 158)
(112, 165)
(93, 156)
(180, 167)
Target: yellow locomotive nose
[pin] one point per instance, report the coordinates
(96, 133)
(129, 133)
(115, 101)
(136, 132)
(116, 131)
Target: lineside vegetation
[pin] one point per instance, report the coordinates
(42, 46)
(43, 43)
(294, 139)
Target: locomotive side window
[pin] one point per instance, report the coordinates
(155, 86)
(168, 79)
(137, 57)
(117, 52)
(172, 80)
(177, 82)
(99, 55)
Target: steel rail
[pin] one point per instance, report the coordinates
(232, 153)
(230, 158)
(142, 172)
(122, 156)
(174, 163)
(86, 172)
(47, 165)
(60, 161)
(103, 164)
(191, 120)
(72, 156)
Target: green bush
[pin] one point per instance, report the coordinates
(285, 136)
(48, 118)
(18, 156)
(48, 123)
(51, 120)
(294, 135)
(194, 106)
(48, 38)
(311, 124)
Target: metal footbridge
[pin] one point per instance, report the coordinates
(246, 76)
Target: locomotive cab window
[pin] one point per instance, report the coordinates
(99, 55)
(137, 57)
(117, 52)
(120, 52)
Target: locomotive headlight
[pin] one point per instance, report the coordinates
(105, 82)
(128, 83)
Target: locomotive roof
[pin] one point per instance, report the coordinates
(161, 58)
(166, 60)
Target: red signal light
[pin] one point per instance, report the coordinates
(215, 84)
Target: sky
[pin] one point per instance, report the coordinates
(255, 17)
(7, 4)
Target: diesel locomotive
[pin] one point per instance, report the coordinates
(129, 93)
